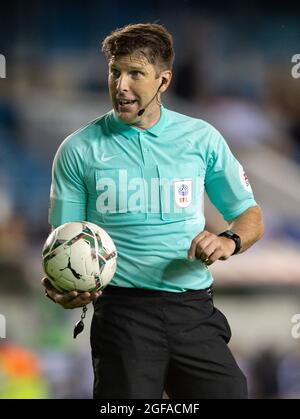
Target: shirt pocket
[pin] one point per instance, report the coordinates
(181, 191)
(121, 195)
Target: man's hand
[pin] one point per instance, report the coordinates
(209, 247)
(71, 299)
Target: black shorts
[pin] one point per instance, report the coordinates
(144, 342)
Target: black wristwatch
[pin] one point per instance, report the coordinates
(231, 235)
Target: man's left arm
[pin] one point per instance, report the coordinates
(249, 226)
(209, 247)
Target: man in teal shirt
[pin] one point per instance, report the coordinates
(140, 172)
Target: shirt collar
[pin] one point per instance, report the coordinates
(130, 131)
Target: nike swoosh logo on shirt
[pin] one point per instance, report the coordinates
(106, 158)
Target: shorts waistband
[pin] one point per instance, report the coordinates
(141, 292)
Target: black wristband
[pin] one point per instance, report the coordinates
(231, 235)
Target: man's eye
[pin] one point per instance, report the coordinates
(136, 74)
(114, 73)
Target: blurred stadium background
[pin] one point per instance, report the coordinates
(232, 68)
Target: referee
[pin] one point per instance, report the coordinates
(140, 172)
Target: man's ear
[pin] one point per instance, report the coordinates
(166, 77)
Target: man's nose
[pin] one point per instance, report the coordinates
(122, 83)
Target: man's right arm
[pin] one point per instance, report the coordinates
(68, 203)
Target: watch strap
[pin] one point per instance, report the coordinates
(231, 235)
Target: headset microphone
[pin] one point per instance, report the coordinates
(141, 111)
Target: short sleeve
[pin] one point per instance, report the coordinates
(68, 193)
(226, 182)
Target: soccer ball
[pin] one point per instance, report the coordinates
(79, 256)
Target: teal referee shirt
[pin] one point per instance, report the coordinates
(146, 189)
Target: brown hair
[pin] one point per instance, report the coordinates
(150, 39)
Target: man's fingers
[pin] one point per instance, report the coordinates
(47, 284)
(194, 244)
(208, 247)
(193, 247)
(203, 246)
(72, 299)
(81, 300)
(95, 295)
(53, 291)
(214, 257)
(57, 296)
(66, 298)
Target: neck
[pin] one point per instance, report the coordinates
(149, 119)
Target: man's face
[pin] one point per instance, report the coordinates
(132, 84)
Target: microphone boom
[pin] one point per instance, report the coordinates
(141, 111)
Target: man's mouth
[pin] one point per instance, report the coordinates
(124, 102)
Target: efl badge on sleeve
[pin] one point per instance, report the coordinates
(183, 193)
